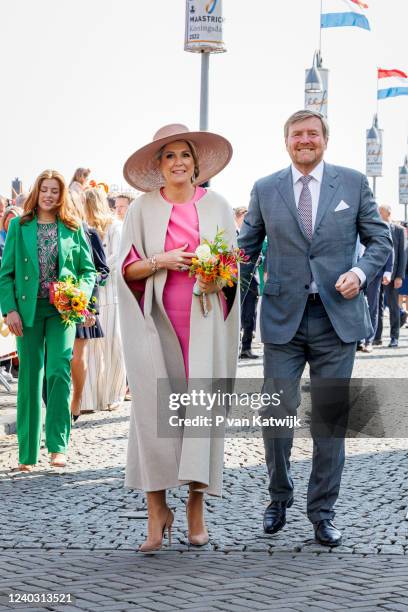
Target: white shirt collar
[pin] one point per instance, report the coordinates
(316, 173)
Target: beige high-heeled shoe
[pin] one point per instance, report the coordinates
(198, 539)
(151, 545)
(201, 539)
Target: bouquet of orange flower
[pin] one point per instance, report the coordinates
(216, 262)
(95, 185)
(70, 301)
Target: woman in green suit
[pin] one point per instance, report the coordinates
(45, 245)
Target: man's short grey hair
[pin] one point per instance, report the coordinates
(240, 210)
(386, 207)
(307, 114)
(128, 196)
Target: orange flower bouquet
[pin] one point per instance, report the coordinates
(96, 185)
(70, 301)
(216, 262)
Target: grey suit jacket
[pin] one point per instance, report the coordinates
(293, 260)
(398, 241)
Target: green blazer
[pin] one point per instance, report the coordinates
(19, 272)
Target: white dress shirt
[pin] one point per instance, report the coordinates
(362, 248)
(314, 187)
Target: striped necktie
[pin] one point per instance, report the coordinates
(305, 206)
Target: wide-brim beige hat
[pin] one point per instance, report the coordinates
(214, 152)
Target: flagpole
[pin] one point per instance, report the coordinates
(320, 28)
(377, 89)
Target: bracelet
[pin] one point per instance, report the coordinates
(154, 264)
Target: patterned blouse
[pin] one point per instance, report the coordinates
(47, 241)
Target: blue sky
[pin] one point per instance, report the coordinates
(88, 82)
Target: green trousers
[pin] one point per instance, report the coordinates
(48, 331)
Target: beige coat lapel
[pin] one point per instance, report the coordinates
(155, 216)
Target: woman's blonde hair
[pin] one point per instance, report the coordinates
(79, 174)
(97, 211)
(64, 210)
(77, 203)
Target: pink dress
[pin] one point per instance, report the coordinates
(183, 229)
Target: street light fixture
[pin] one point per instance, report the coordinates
(374, 152)
(316, 86)
(403, 185)
(313, 81)
(373, 133)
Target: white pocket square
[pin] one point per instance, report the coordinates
(341, 206)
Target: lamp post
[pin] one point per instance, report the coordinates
(16, 188)
(374, 152)
(317, 86)
(403, 186)
(204, 90)
(203, 35)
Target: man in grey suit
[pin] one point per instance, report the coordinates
(391, 291)
(313, 309)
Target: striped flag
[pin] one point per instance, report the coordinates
(392, 83)
(341, 13)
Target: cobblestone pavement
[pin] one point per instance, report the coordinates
(113, 581)
(78, 528)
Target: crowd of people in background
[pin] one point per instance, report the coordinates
(389, 288)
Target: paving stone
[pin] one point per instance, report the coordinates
(391, 549)
(88, 527)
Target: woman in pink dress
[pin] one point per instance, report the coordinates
(165, 334)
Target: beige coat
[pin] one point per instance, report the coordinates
(152, 351)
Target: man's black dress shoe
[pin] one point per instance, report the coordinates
(326, 533)
(377, 342)
(393, 343)
(275, 515)
(248, 355)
